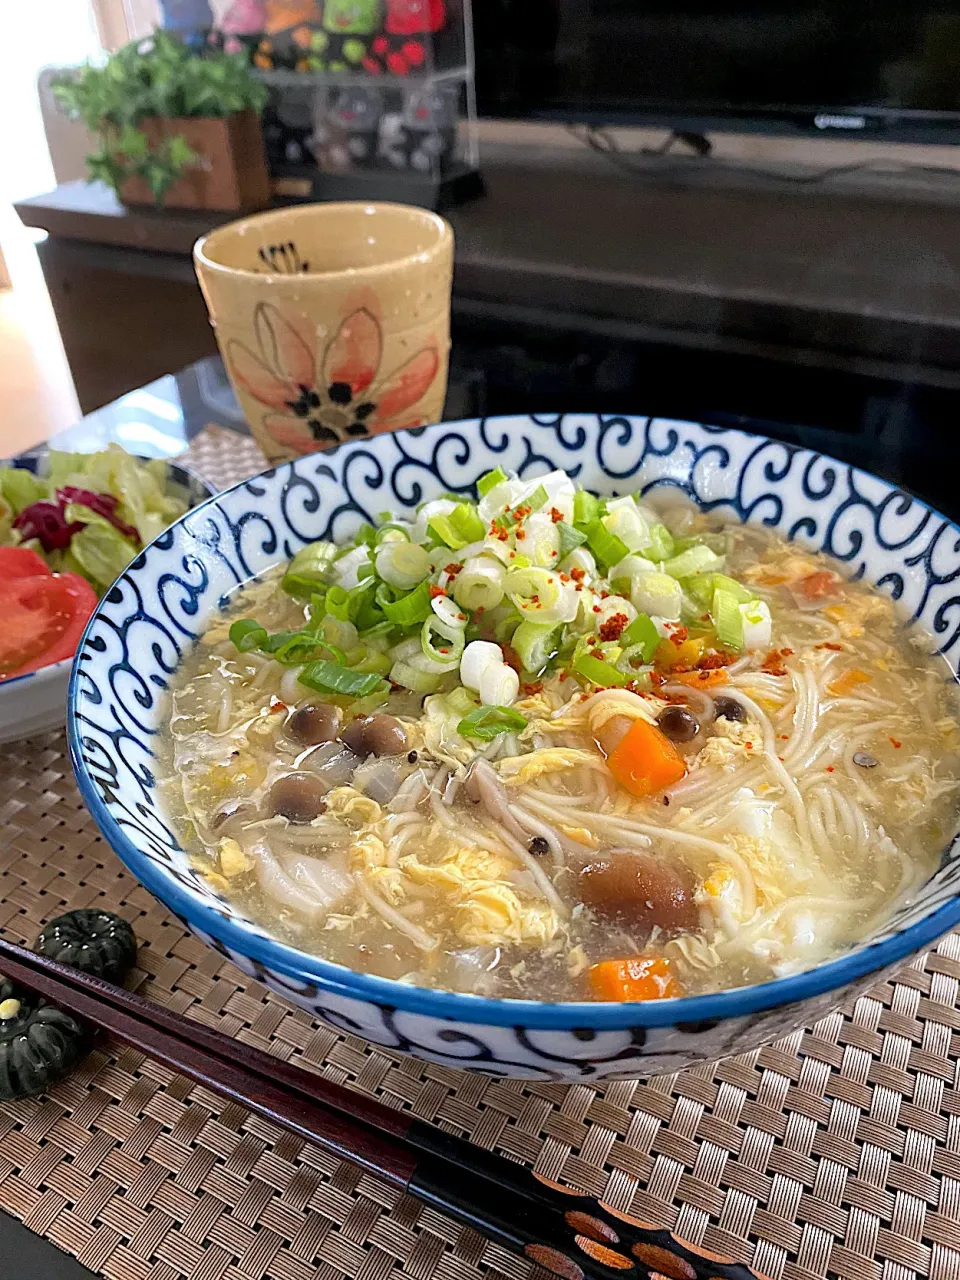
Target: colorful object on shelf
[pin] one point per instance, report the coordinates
(351, 17)
(347, 130)
(424, 136)
(281, 15)
(185, 15)
(415, 17)
(242, 18)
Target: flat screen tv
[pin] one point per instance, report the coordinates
(867, 67)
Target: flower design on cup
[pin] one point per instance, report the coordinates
(340, 396)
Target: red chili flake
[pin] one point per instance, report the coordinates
(529, 690)
(784, 736)
(479, 610)
(780, 758)
(555, 515)
(436, 591)
(578, 575)
(596, 608)
(678, 636)
(578, 587)
(773, 664)
(462, 617)
(276, 704)
(512, 658)
(520, 513)
(535, 599)
(591, 640)
(829, 644)
(563, 676)
(895, 743)
(604, 594)
(748, 746)
(444, 651)
(513, 555)
(614, 627)
(829, 768)
(712, 661)
(498, 530)
(453, 569)
(656, 679)
(554, 553)
(521, 534)
(786, 653)
(704, 617)
(564, 577)
(666, 799)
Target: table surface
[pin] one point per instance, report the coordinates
(159, 420)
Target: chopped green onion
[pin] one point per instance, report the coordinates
(419, 681)
(505, 628)
(599, 672)
(487, 723)
(247, 634)
(586, 508)
(381, 629)
(366, 534)
(466, 522)
(661, 542)
(694, 560)
(309, 568)
(703, 585)
(534, 645)
(303, 647)
(537, 499)
(277, 641)
(441, 526)
(641, 632)
(570, 538)
(409, 609)
(449, 639)
(727, 619)
(373, 660)
(658, 595)
(606, 546)
(337, 603)
(490, 481)
(391, 532)
(633, 663)
(329, 677)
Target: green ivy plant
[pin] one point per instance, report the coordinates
(156, 77)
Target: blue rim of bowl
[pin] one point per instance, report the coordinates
(247, 940)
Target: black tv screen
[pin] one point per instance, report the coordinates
(875, 65)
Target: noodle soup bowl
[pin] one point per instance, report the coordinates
(151, 618)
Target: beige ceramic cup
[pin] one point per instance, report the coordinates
(333, 320)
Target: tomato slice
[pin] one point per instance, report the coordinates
(21, 562)
(41, 620)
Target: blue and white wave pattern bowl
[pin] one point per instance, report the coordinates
(156, 611)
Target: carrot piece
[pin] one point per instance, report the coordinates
(645, 760)
(819, 585)
(703, 679)
(848, 681)
(634, 978)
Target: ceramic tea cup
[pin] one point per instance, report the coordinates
(333, 320)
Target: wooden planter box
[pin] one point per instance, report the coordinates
(231, 172)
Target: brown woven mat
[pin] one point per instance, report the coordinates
(834, 1152)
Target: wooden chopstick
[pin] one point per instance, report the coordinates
(504, 1201)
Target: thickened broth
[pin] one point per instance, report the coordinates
(549, 747)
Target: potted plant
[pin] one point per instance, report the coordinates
(174, 126)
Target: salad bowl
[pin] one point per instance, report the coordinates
(154, 613)
(36, 702)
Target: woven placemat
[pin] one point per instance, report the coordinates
(834, 1152)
